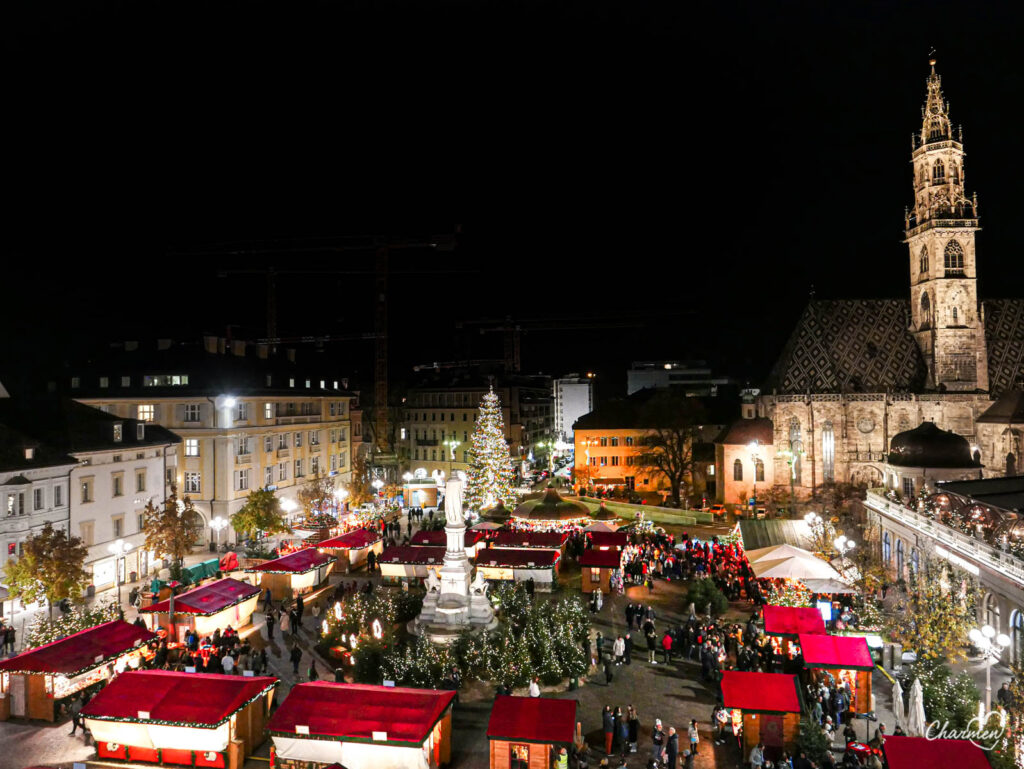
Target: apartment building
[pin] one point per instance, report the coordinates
(573, 397)
(247, 417)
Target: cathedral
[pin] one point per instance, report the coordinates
(855, 373)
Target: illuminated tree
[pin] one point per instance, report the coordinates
(173, 528)
(49, 568)
(490, 470)
(317, 494)
(673, 425)
(359, 490)
(261, 512)
(936, 613)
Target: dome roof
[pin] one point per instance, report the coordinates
(551, 507)
(497, 514)
(604, 514)
(928, 446)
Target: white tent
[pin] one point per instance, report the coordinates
(801, 568)
(599, 526)
(916, 725)
(827, 586)
(897, 703)
(776, 552)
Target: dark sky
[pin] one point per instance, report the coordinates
(697, 165)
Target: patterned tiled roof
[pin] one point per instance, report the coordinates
(857, 345)
(1004, 338)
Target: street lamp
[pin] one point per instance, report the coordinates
(377, 484)
(218, 524)
(753, 446)
(792, 456)
(991, 646)
(118, 549)
(843, 545)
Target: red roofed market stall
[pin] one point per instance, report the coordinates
(920, 752)
(791, 621)
(770, 705)
(362, 727)
(192, 719)
(408, 562)
(607, 540)
(217, 605)
(544, 540)
(32, 682)
(474, 540)
(849, 659)
(597, 567)
(524, 730)
(294, 574)
(352, 548)
(520, 565)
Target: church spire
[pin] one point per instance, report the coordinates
(935, 125)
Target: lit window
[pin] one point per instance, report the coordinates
(268, 410)
(192, 483)
(126, 381)
(75, 382)
(242, 412)
(595, 575)
(147, 412)
(118, 432)
(737, 470)
(191, 447)
(191, 412)
(104, 382)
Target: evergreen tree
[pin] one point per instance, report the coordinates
(489, 479)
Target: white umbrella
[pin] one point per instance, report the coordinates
(897, 703)
(827, 586)
(794, 568)
(775, 552)
(916, 725)
(485, 526)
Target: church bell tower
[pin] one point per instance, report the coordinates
(945, 314)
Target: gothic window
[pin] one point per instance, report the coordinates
(954, 172)
(737, 470)
(939, 172)
(926, 311)
(900, 558)
(759, 471)
(1011, 465)
(828, 452)
(924, 260)
(886, 548)
(796, 447)
(956, 317)
(935, 130)
(954, 257)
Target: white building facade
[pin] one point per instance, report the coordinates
(573, 396)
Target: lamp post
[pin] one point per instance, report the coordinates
(377, 484)
(118, 549)
(792, 456)
(991, 645)
(218, 524)
(340, 495)
(753, 446)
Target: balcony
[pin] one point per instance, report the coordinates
(960, 549)
(243, 459)
(283, 453)
(314, 447)
(297, 419)
(427, 442)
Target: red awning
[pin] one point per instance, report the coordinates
(439, 537)
(407, 554)
(608, 559)
(792, 620)
(78, 652)
(356, 711)
(541, 539)
(352, 540)
(614, 539)
(189, 699)
(512, 558)
(760, 692)
(298, 562)
(836, 651)
(917, 752)
(208, 599)
(532, 719)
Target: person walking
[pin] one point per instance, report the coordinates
(300, 607)
(657, 740)
(609, 672)
(694, 736)
(666, 646)
(76, 716)
(671, 748)
(627, 650)
(619, 650)
(634, 728)
(268, 601)
(295, 656)
(757, 756)
(600, 646)
(286, 624)
(608, 728)
(652, 643)
(312, 673)
(619, 727)
(9, 639)
(270, 624)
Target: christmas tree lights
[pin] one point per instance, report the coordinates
(490, 470)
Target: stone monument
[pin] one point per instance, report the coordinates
(454, 601)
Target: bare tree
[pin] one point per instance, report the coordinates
(672, 425)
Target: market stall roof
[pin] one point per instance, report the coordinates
(915, 752)
(361, 712)
(485, 526)
(532, 719)
(514, 558)
(792, 620)
(298, 562)
(609, 539)
(760, 692)
(186, 699)
(352, 540)
(497, 514)
(604, 514)
(757, 534)
(551, 507)
(439, 537)
(81, 651)
(607, 559)
(599, 526)
(541, 539)
(827, 586)
(208, 599)
(794, 567)
(775, 552)
(836, 651)
(411, 554)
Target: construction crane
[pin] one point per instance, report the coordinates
(381, 247)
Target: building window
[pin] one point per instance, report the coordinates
(140, 521)
(242, 446)
(268, 475)
(268, 410)
(908, 487)
(118, 432)
(314, 437)
(711, 468)
(38, 501)
(104, 382)
(191, 447)
(140, 480)
(242, 412)
(298, 468)
(118, 486)
(796, 446)
(954, 257)
(75, 383)
(926, 311)
(282, 471)
(614, 441)
(191, 412)
(268, 443)
(603, 441)
(169, 476)
(828, 452)
(758, 471)
(956, 318)
(140, 431)
(314, 465)
(282, 441)
(146, 412)
(595, 575)
(298, 440)
(86, 491)
(923, 267)
(629, 440)
(615, 461)
(58, 496)
(939, 172)
(126, 381)
(737, 470)
(86, 528)
(519, 756)
(242, 480)
(331, 408)
(191, 483)
(118, 526)
(900, 557)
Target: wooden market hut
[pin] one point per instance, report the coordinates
(792, 621)
(294, 574)
(607, 540)
(474, 540)
(532, 540)
(352, 548)
(523, 731)
(194, 719)
(847, 657)
(770, 708)
(217, 605)
(519, 565)
(362, 727)
(35, 680)
(597, 567)
(917, 752)
(405, 562)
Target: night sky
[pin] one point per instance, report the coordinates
(695, 165)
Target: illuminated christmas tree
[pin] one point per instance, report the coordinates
(490, 471)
